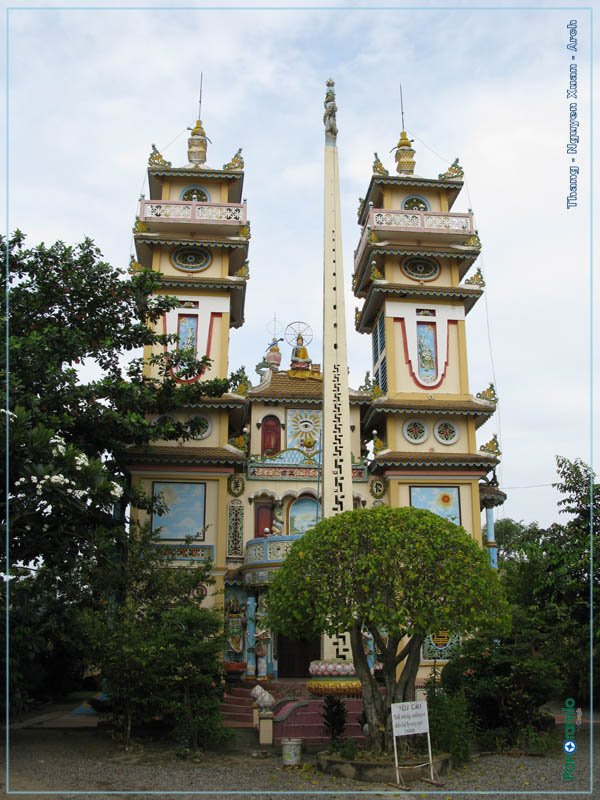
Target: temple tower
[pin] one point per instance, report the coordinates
(193, 231)
(337, 458)
(413, 255)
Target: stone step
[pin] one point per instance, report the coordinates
(239, 691)
(233, 704)
(236, 716)
(233, 723)
(296, 731)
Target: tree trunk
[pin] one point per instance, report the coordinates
(372, 700)
(405, 688)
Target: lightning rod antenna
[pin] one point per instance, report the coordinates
(402, 108)
(200, 99)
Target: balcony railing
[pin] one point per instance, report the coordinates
(179, 211)
(445, 225)
(270, 549)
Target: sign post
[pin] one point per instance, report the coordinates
(409, 719)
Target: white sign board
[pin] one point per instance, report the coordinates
(410, 718)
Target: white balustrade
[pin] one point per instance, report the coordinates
(400, 220)
(182, 211)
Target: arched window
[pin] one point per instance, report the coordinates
(270, 436)
(305, 512)
(263, 517)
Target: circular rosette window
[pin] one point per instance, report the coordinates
(415, 431)
(420, 269)
(199, 427)
(191, 259)
(445, 432)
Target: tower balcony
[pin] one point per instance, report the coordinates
(393, 225)
(176, 216)
(264, 556)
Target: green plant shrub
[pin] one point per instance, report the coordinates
(503, 682)
(450, 724)
(334, 716)
(347, 749)
(535, 742)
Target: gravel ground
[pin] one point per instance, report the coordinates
(85, 761)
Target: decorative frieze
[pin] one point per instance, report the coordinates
(235, 529)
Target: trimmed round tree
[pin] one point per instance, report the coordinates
(398, 573)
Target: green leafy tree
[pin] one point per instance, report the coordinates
(548, 579)
(156, 645)
(398, 573)
(69, 436)
(69, 308)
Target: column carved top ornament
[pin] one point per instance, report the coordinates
(329, 118)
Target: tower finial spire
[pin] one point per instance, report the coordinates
(402, 108)
(405, 162)
(200, 100)
(197, 142)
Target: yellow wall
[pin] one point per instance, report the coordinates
(218, 424)
(394, 273)
(218, 267)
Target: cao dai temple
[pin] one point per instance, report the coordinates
(271, 459)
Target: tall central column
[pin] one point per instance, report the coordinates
(336, 453)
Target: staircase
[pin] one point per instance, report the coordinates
(301, 719)
(292, 718)
(236, 708)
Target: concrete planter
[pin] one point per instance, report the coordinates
(380, 771)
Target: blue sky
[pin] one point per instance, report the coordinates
(91, 90)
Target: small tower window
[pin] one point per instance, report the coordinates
(270, 436)
(415, 204)
(420, 269)
(195, 193)
(191, 259)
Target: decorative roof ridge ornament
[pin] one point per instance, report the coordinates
(236, 163)
(156, 159)
(476, 280)
(378, 168)
(488, 394)
(473, 241)
(329, 118)
(454, 172)
(492, 446)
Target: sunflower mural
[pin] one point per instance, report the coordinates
(442, 500)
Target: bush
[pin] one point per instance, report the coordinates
(503, 685)
(334, 717)
(450, 725)
(347, 748)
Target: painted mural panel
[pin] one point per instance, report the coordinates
(304, 515)
(304, 430)
(187, 506)
(442, 500)
(426, 344)
(187, 330)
